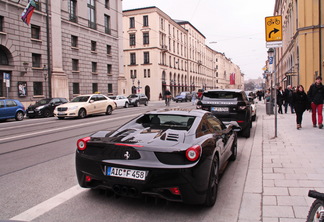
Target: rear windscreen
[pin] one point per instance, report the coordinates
(221, 95)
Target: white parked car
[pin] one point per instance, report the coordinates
(84, 105)
(120, 100)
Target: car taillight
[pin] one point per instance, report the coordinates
(82, 143)
(193, 153)
(175, 190)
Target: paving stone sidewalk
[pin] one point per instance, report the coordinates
(282, 169)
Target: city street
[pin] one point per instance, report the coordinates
(38, 181)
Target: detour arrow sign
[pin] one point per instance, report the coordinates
(273, 26)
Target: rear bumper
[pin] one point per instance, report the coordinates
(157, 183)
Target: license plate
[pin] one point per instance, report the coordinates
(126, 173)
(220, 109)
(30, 111)
(60, 114)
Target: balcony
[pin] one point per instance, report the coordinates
(164, 48)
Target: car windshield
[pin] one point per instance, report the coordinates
(133, 96)
(166, 121)
(221, 95)
(43, 101)
(80, 99)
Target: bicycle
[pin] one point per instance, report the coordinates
(316, 211)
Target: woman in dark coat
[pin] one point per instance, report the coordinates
(300, 103)
(280, 99)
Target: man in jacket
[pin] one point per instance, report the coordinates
(288, 97)
(316, 96)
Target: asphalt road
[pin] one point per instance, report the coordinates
(38, 181)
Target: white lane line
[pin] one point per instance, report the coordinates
(62, 128)
(49, 204)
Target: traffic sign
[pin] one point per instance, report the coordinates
(273, 27)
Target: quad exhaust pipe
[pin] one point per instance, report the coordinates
(125, 190)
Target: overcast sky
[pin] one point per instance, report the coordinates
(236, 25)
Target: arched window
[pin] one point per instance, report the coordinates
(3, 57)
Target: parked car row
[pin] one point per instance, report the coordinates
(80, 107)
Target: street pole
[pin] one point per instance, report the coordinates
(275, 93)
(49, 74)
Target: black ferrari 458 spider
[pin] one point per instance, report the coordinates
(174, 154)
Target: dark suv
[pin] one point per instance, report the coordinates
(228, 105)
(44, 107)
(137, 99)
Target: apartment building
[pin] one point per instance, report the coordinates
(301, 58)
(78, 51)
(161, 53)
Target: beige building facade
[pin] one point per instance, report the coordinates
(82, 53)
(161, 53)
(301, 58)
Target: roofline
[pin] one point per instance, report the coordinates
(187, 22)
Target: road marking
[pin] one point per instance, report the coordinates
(66, 127)
(49, 204)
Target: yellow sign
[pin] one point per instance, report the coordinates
(273, 27)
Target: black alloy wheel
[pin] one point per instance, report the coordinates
(126, 105)
(314, 211)
(46, 113)
(212, 189)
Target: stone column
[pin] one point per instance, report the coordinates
(60, 86)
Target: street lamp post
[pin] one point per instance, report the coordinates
(45, 78)
(272, 61)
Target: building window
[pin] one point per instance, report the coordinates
(133, 59)
(38, 88)
(110, 88)
(146, 38)
(133, 74)
(144, 73)
(35, 30)
(36, 60)
(132, 39)
(94, 67)
(91, 14)
(74, 41)
(148, 73)
(107, 4)
(94, 87)
(1, 23)
(3, 58)
(75, 65)
(145, 20)
(146, 57)
(109, 49)
(107, 24)
(93, 46)
(72, 10)
(76, 88)
(109, 67)
(131, 22)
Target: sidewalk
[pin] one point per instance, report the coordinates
(282, 169)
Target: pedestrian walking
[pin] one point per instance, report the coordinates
(280, 99)
(160, 96)
(260, 94)
(167, 97)
(316, 96)
(288, 96)
(300, 103)
(193, 97)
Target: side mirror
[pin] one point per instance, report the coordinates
(91, 101)
(235, 126)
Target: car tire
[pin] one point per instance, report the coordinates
(82, 113)
(19, 116)
(234, 149)
(254, 117)
(109, 110)
(136, 104)
(126, 105)
(247, 132)
(212, 189)
(60, 118)
(146, 102)
(46, 113)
